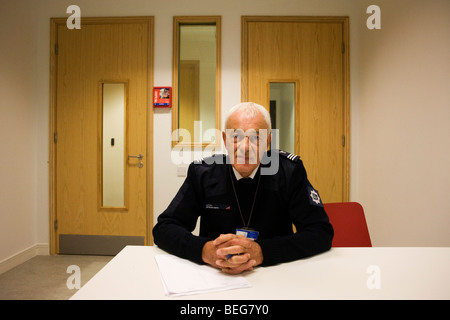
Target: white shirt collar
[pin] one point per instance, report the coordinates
(239, 176)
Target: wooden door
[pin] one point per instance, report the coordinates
(311, 54)
(104, 51)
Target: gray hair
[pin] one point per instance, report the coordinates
(250, 109)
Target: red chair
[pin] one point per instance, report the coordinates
(349, 223)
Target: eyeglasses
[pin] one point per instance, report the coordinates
(239, 135)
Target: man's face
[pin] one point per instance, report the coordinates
(246, 140)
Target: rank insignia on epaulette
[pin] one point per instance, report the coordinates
(291, 156)
(198, 161)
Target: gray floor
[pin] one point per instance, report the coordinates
(45, 277)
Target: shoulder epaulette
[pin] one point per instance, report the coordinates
(291, 156)
(214, 159)
(199, 161)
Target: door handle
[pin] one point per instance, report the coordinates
(139, 156)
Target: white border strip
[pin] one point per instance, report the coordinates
(39, 249)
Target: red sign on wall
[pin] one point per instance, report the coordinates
(162, 97)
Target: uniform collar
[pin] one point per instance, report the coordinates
(239, 176)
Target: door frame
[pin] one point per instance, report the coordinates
(54, 24)
(344, 21)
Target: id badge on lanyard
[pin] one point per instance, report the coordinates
(246, 232)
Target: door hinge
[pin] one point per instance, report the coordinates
(343, 47)
(55, 224)
(55, 137)
(56, 49)
(343, 140)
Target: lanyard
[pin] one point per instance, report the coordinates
(237, 200)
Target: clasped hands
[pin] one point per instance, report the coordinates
(245, 253)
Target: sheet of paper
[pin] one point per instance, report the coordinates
(183, 277)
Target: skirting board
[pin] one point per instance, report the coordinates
(39, 249)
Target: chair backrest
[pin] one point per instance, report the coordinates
(349, 223)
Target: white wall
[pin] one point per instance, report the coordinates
(399, 108)
(18, 130)
(403, 105)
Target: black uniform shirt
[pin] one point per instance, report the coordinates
(283, 199)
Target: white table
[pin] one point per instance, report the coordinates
(341, 273)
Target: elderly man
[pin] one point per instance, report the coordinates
(246, 212)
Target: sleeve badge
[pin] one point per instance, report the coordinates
(314, 198)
